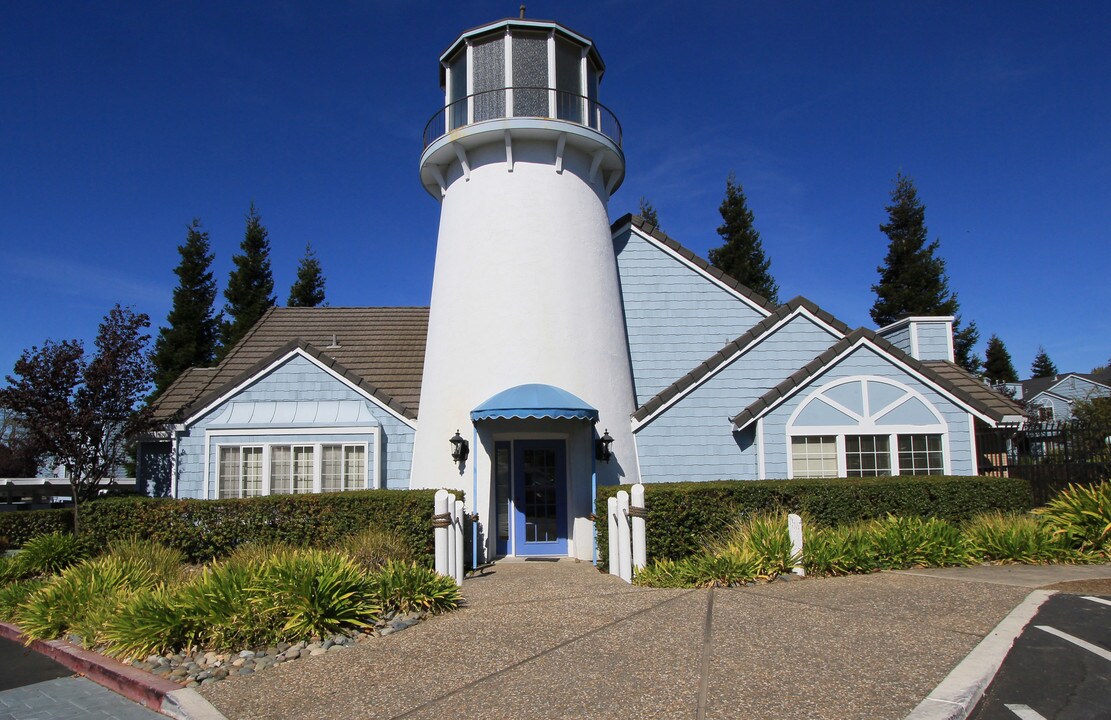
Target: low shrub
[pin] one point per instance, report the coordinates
(16, 528)
(151, 621)
(907, 542)
(762, 536)
(207, 529)
(165, 564)
(408, 587)
(219, 609)
(683, 517)
(1082, 516)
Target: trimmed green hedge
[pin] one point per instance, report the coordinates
(19, 526)
(682, 516)
(203, 529)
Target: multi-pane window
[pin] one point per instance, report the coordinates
(921, 455)
(814, 456)
(342, 467)
(240, 472)
(867, 455)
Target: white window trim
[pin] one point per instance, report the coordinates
(212, 445)
(867, 423)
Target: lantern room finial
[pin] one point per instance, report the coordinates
(522, 12)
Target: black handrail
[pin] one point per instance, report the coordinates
(527, 102)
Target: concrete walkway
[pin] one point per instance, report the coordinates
(559, 640)
(69, 698)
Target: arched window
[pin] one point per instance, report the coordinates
(866, 426)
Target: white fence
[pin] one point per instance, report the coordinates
(448, 523)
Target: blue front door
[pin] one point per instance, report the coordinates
(540, 497)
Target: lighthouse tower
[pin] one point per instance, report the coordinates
(527, 355)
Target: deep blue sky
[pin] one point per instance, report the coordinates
(119, 122)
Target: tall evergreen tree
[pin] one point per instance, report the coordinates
(648, 212)
(742, 254)
(189, 338)
(912, 278)
(308, 289)
(1042, 367)
(250, 285)
(998, 367)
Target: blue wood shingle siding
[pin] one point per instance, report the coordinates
(933, 341)
(900, 338)
(694, 439)
(675, 317)
(296, 379)
(865, 361)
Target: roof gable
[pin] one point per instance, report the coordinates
(378, 350)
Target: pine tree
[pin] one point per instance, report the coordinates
(189, 338)
(648, 212)
(250, 284)
(912, 278)
(998, 367)
(1042, 367)
(308, 289)
(742, 254)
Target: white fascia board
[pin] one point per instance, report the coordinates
(281, 361)
(687, 263)
(801, 311)
(915, 319)
(902, 366)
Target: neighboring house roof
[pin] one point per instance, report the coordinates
(1034, 386)
(732, 349)
(802, 377)
(651, 230)
(379, 349)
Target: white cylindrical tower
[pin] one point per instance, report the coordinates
(523, 159)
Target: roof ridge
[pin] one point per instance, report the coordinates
(738, 345)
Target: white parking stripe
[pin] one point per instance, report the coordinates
(1106, 655)
(1025, 712)
(1095, 599)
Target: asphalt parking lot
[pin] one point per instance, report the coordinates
(1059, 667)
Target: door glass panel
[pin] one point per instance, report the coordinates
(539, 475)
(501, 493)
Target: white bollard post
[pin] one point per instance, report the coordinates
(451, 535)
(640, 542)
(611, 513)
(440, 521)
(794, 529)
(459, 545)
(625, 545)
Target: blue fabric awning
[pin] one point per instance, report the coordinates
(535, 401)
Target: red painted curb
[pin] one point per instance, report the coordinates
(133, 683)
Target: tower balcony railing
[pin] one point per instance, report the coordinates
(523, 102)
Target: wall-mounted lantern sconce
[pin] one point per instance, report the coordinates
(602, 447)
(460, 448)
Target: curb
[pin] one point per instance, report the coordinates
(958, 693)
(151, 691)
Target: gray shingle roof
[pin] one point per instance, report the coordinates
(715, 361)
(1033, 386)
(649, 229)
(968, 383)
(380, 349)
(972, 398)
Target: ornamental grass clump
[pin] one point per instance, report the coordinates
(221, 608)
(404, 587)
(14, 594)
(47, 555)
(846, 550)
(1010, 538)
(916, 542)
(1081, 515)
(761, 539)
(316, 592)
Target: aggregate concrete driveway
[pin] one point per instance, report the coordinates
(560, 640)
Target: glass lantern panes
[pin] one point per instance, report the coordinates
(530, 70)
(569, 88)
(489, 76)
